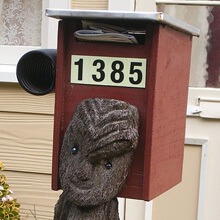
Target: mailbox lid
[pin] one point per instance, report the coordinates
(158, 17)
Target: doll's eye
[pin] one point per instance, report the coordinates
(74, 150)
(108, 165)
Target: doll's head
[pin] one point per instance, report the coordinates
(97, 150)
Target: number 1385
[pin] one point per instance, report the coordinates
(109, 71)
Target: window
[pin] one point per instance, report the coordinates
(24, 27)
(205, 65)
(20, 22)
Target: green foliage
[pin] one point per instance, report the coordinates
(9, 207)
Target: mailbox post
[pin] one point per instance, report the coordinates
(151, 74)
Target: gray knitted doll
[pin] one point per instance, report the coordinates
(95, 159)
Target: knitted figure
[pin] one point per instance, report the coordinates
(95, 159)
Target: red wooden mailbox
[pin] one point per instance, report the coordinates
(151, 73)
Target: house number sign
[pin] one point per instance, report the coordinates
(108, 71)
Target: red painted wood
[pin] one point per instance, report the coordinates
(58, 111)
(157, 164)
(168, 84)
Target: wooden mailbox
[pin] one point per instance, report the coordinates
(151, 74)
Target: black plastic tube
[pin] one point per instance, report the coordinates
(36, 71)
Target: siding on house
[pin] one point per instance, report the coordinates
(89, 4)
(26, 132)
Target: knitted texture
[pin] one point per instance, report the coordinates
(95, 159)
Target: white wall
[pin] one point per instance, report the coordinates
(132, 5)
(207, 126)
(196, 16)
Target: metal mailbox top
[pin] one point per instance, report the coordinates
(159, 17)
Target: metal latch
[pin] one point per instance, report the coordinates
(193, 110)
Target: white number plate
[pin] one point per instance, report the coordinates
(108, 71)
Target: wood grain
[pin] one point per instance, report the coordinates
(26, 142)
(89, 4)
(14, 99)
(33, 193)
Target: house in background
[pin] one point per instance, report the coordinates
(26, 121)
